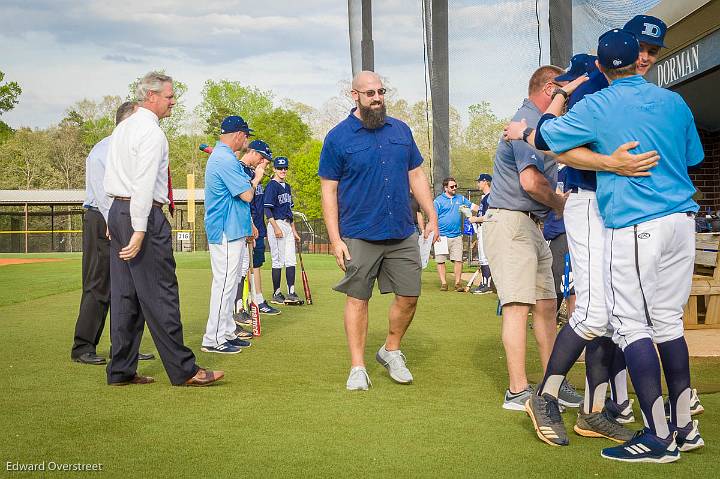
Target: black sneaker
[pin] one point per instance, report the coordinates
(278, 298)
(545, 414)
(239, 343)
(242, 318)
(267, 309)
(695, 406)
(622, 413)
(293, 298)
(242, 333)
(602, 424)
(481, 290)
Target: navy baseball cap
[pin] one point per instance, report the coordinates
(235, 123)
(580, 64)
(647, 29)
(262, 148)
(484, 177)
(280, 162)
(617, 48)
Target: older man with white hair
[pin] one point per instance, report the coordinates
(142, 267)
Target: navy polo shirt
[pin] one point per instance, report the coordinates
(257, 208)
(584, 179)
(371, 168)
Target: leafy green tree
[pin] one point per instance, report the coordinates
(25, 159)
(304, 179)
(224, 98)
(9, 94)
(283, 130)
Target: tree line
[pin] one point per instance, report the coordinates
(54, 157)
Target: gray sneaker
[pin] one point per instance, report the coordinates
(516, 401)
(545, 415)
(358, 380)
(568, 396)
(481, 290)
(602, 424)
(394, 362)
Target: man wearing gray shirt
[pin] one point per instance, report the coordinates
(95, 300)
(520, 259)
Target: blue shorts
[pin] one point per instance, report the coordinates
(259, 252)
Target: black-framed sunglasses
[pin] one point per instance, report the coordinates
(372, 93)
(452, 187)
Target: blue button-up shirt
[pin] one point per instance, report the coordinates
(225, 212)
(371, 168)
(633, 109)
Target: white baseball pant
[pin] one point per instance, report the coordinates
(282, 249)
(586, 242)
(225, 262)
(649, 270)
(482, 259)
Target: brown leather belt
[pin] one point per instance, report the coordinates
(127, 198)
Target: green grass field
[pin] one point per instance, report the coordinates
(283, 409)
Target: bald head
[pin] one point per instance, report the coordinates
(365, 77)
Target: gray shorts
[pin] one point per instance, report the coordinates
(394, 263)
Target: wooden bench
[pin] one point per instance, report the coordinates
(703, 307)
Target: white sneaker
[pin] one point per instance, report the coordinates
(358, 380)
(394, 362)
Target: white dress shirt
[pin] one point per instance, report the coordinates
(94, 176)
(137, 165)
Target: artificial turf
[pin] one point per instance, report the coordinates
(282, 409)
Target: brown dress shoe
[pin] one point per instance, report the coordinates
(205, 377)
(136, 380)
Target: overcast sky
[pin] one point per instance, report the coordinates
(61, 51)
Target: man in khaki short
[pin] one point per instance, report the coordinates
(520, 259)
(450, 222)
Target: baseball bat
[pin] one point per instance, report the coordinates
(472, 280)
(306, 284)
(254, 309)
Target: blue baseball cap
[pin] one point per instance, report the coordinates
(647, 29)
(484, 177)
(280, 162)
(580, 64)
(262, 148)
(617, 48)
(235, 123)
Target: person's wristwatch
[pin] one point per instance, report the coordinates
(527, 132)
(559, 91)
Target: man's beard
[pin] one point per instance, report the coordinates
(372, 118)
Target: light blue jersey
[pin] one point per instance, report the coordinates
(633, 109)
(449, 218)
(225, 179)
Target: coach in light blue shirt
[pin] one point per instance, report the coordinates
(651, 115)
(225, 212)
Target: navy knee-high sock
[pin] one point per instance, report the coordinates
(276, 275)
(644, 367)
(567, 349)
(485, 270)
(290, 277)
(676, 366)
(618, 377)
(598, 358)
